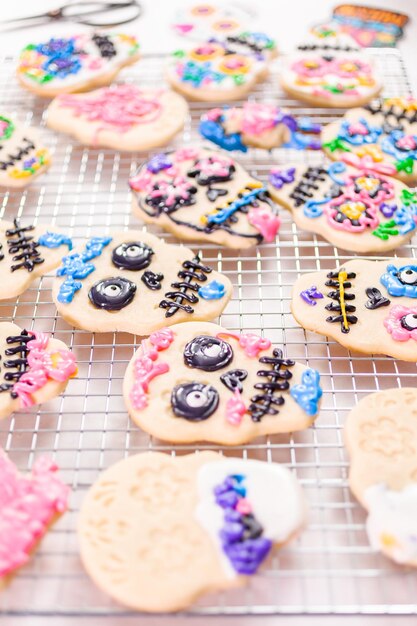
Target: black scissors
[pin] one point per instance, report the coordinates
(108, 14)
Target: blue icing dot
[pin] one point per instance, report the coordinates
(54, 240)
(308, 393)
(214, 131)
(212, 291)
(400, 281)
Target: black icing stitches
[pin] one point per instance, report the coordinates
(340, 279)
(310, 47)
(305, 189)
(18, 364)
(26, 147)
(26, 246)
(379, 107)
(192, 270)
(277, 378)
(105, 45)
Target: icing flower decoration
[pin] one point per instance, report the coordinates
(347, 68)
(359, 133)
(308, 393)
(314, 67)
(368, 162)
(259, 118)
(146, 368)
(351, 214)
(279, 178)
(400, 281)
(185, 154)
(401, 146)
(402, 323)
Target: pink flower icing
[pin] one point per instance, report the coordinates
(141, 182)
(258, 118)
(235, 409)
(264, 220)
(145, 369)
(172, 190)
(186, 154)
(407, 142)
(27, 506)
(212, 115)
(358, 129)
(251, 343)
(313, 67)
(43, 366)
(393, 323)
(367, 164)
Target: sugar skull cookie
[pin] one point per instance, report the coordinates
(362, 210)
(26, 253)
(221, 69)
(204, 195)
(28, 507)
(22, 155)
(260, 125)
(158, 531)
(198, 381)
(122, 117)
(78, 63)
(381, 135)
(134, 282)
(368, 306)
(381, 436)
(34, 368)
(330, 72)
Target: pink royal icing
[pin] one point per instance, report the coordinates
(251, 343)
(367, 164)
(145, 369)
(258, 118)
(43, 366)
(393, 323)
(235, 409)
(27, 506)
(186, 154)
(264, 220)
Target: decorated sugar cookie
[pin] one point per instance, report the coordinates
(258, 124)
(331, 72)
(34, 368)
(382, 134)
(78, 63)
(363, 210)
(223, 68)
(157, 531)
(381, 436)
(134, 282)
(28, 507)
(204, 195)
(122, 117)
(200, 382)
(203, 20)
(22, 155)
(368, 306)
(26, 253)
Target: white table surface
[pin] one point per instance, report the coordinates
(287, 22)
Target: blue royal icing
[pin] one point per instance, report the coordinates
(308, 393)
(54, 240)
(400, 281)
(76, 266)
(222, 215)
(214, 131)
(212, 291)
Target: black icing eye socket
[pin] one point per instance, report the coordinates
(194, 401)
(112, 294)
(208, 353)
(133, 255)
(409, 321)
(408, 276)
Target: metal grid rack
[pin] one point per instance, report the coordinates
(331, 568)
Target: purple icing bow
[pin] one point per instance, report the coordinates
(279, 178)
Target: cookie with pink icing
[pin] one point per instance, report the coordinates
(204, 195)
(28, 506)
(199, 382)
(360, 209)
(34, 368)
(122, 117)
(330, 71)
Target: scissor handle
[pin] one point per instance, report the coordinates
(67, 12)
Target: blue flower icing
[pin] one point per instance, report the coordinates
(54, 240)
(372, 135)
(76, 266)
(215, 132)
(404, 217)
(388, 145)
(400, 281)
(212, 291)
(308, 393)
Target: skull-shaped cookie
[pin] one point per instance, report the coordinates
(331, 72)
(22, 155)
(362, 210)
(77, 63)
(368, 306)
(222, 68)
(134, 282)
(158, 531)
(34, 368)
(258, 124)
(26, 253)
(381, 436)
(383, 132)
(122, 117)
(198, 382)
(204, 195)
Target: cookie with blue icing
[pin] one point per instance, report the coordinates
(134, 282)
(204, 383)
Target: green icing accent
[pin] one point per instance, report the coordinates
(334, 89)
(239, 79)
(8, 130)
(406, 165)
(384, 231)
(30, 46)
(408, 197)
(179, 54)
(336, 144)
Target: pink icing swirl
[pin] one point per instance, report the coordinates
(235, 409)
(367, 164)
(258, 118)
(264, 220)
(145, 369)
(27, 506)
(252, 344)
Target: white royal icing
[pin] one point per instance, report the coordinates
(392, 521)
(276, 497)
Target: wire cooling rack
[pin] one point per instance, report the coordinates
(331, 568)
